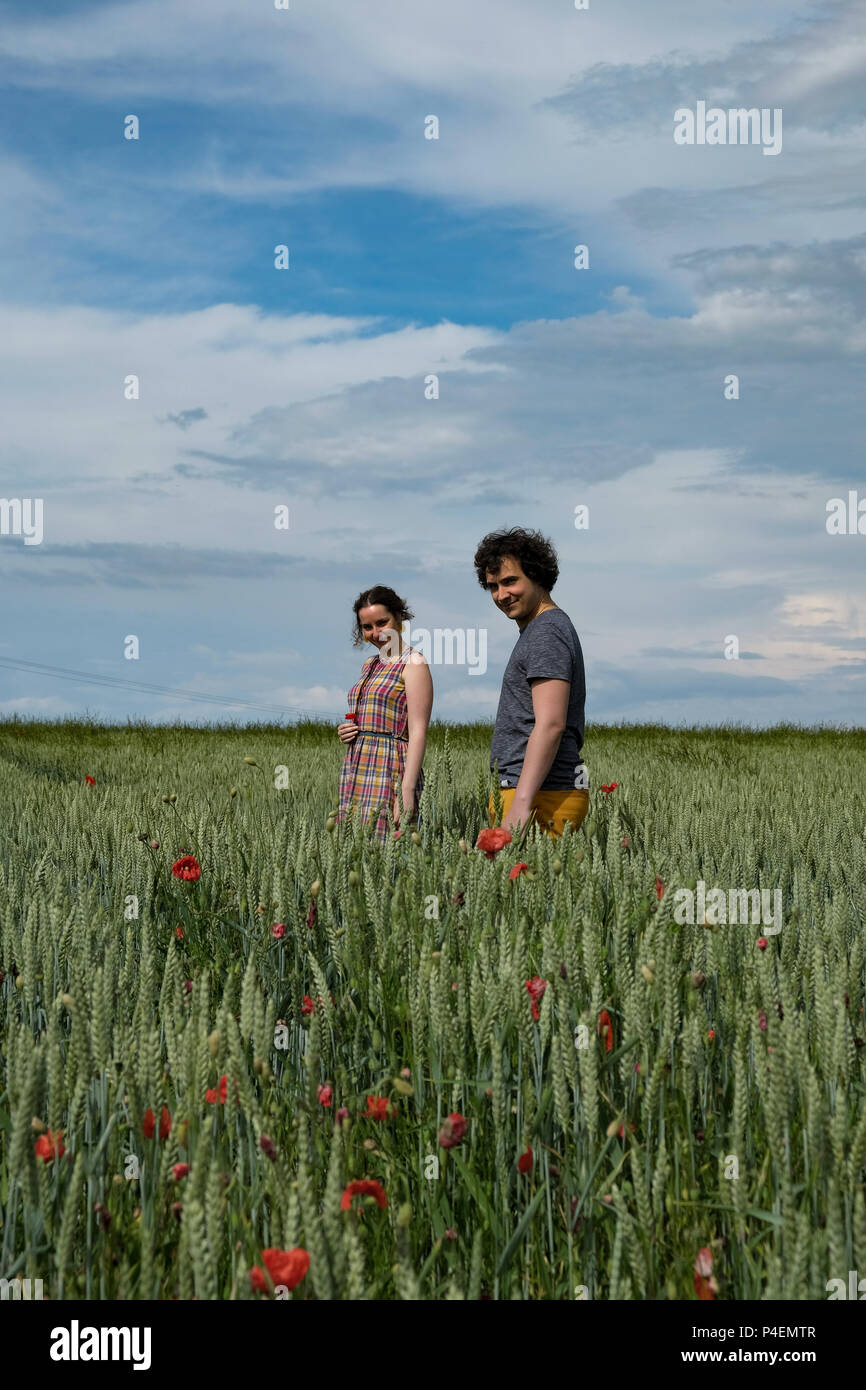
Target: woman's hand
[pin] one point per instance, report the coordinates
(347, 732)
(408, 805)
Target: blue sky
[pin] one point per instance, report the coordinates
(305, 387)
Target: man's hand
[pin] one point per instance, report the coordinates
(517, 820)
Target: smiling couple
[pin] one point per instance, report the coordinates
(538, 736)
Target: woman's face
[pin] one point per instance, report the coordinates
(378, 626)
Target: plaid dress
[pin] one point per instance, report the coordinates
(375, 760)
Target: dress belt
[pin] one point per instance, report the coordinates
(381, 733)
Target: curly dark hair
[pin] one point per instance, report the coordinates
(380, 593)
(533, 552)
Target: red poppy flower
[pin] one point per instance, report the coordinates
(148, 1124)
(50, 1145)
(711, 1035)
(605, 1029)
(324, 1094)
(164, 1123)
(524, 1163)
(762, 1021)
(536, 987)
(380, 1108)
(180, 1170)
(286, 1267)
(188, 868)
(621, 1130)
(453, 1130)
(705, 1285)
(278, 931)
(352, 718)
(311, 915)
(178, 931)
(212, 1096)
(363, 1187)
(762, 943)
(660, 888)
(308, 1007)
(493, 840)
(90, 781)
(608, 788)
(518, 870)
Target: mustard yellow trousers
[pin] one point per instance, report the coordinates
(549, 810)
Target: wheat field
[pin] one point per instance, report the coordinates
(435, 1078)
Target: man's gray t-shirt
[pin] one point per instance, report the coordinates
(547, 648)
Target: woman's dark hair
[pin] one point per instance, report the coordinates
(533, 552)
(380, 593)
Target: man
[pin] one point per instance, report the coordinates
(539, 728)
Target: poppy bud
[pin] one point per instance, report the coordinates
(38, 1125)
(463, 847)
(19, 981)
(251, 762)
(66, 1001)
(165, 799)
(699, 979)
(353, 879)
(314, 889)
(557, 867)
(233, 792)
(173, 798)
(213, 1042)
(330, 823)
(647, 974)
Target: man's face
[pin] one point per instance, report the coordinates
(511, 591)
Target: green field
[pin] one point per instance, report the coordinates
(723, 1112)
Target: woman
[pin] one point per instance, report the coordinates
(389, 710)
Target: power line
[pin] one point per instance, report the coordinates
(116, 682)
